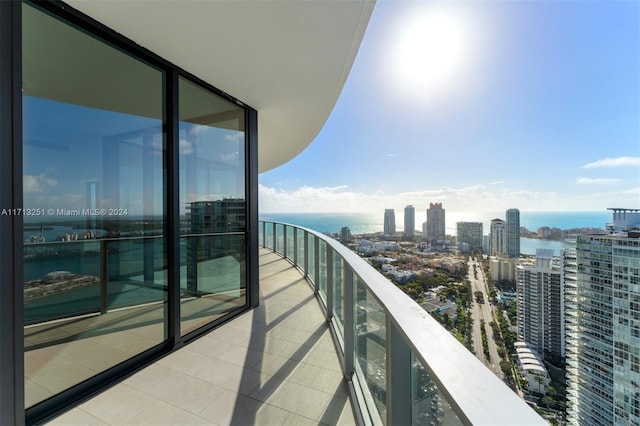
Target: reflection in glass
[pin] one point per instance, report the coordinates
(93, 153)
(429, 407)
(371, 342)
(212, 206)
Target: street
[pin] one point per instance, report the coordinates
(483, 311)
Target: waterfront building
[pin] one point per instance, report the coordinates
(541, 306)
(345, 234)
(435, 229)
(469, 233)
(389, 222)
(603, 328)
(498, 237)
(409, 221)
(512, 233)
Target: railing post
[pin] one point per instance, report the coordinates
(329, 294)
(104, 272)
(316, 262)
(349, 322)
(305, 245)
(399, 403)
(274, 237)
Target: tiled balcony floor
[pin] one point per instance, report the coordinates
(273, 365)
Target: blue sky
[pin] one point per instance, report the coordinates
(527, 104)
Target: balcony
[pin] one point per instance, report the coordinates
(332, 342)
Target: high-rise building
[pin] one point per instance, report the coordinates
(469, 236)
(540, 305)
(498, 237)
(603, 329)
(435, 222)
(345, 234)
(512, 235)
(389, 222)
(623, 219)
(409, 221)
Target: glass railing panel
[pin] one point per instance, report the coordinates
(280, 242)
(212, 278)
(311, 264)
(322, 269)
(136, 272)
(269, 237)
(338, 291)
(300, 246)
(429, 407)
(371, 342)
(290, 242)
(261, 233)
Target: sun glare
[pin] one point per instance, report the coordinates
(431, 50)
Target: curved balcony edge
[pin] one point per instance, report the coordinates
(476, 395)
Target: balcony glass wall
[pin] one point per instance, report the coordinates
(134, 205)
(404, 366)
(94, 190)
(212, 206)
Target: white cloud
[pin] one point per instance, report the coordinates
(497, 182)
(235, 137)
(185, 146)
(334, 199)
(613, 162)
(39, 183)
(635, 190)
(596, 181)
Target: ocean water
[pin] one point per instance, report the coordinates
(363, 223)
(366, 223)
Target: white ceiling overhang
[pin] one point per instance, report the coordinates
(287, 59)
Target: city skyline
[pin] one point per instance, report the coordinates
(539, 110)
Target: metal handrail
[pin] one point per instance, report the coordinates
(476, 395)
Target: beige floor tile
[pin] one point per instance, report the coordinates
(118, 405)
(164, 414)
(235, 409)
(294, 398)
(179, 389)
